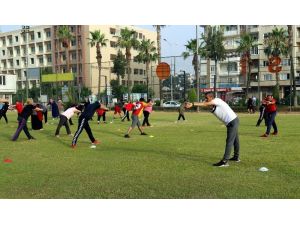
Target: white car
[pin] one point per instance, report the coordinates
(171, 104)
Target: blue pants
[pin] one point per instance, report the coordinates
(271, 122)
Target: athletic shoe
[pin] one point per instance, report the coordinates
(126, 136)
(96, 142)
(73, 146)
(222, 163)
(57, 136)
(143, 133)
(235, 159)
(264, 135)
(98, 122)
(31, 138)
(274, 133)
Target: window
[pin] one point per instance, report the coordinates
(73, 42)
(16, 38)
(40, 48)
(48, 46)
(141, 72)
(48, 34)
(10, 41)
(32, 60)
(136, 71)
(3, 52)
(2, 80)
(11, 64)
(18, 62)
(39, 34)
(73, 55)
(112, 56)
(74, 69)
(283, 77)
(41, 60)
(266, 35)
(266, 63)
(212, 69)
(18, 51)
(63, 56)
(267, 76)
(49, 59)
(285, 62)
(140, 35)
(112, 31)
(254, 50)
(232, 66)
(113, 44)
(32, 49)
(72, 28)
(3, 42)
(32, 37)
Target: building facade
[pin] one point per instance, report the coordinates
(41, 47)
(261, 80)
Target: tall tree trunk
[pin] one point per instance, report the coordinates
(215, 79)
(147, 77)
(99, 59)
(129, 86)
(158, 31)
(248, 78)
(292, 72)
(208, 73)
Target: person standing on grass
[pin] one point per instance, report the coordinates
(225, 114)
(117, 109)
(65, 117)
(19, 107)
(84, 124)
(37, 119)
(26, 112)
(262, 114)
(137, 112)
(181, 110)
(101, 113)
(3, 111)
(128, 106)
(147, 111)
(271, 110)
(54, 108)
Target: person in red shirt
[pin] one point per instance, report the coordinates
(19, 107)
(128, 107)
(117, 110)
(138, 108)
(101, 113)
(271, 111)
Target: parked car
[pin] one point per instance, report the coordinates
(171, 104)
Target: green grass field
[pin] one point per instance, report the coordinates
(175, 163)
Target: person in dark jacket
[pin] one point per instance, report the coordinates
(262, 115)
(54, 108)
(26, 112)
(3, 111)
(84, 124)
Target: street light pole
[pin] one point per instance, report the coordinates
(25, 30)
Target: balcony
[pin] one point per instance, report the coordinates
(231, 33)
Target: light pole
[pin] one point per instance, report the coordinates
(25, 30)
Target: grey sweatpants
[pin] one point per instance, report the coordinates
(232, 139)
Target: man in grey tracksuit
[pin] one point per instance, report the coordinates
(224, 113)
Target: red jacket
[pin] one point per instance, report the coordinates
(100, 112)
(19, 107)
(271, 107)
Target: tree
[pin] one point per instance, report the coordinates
(246, 44)
(292, 78)
(191, 48)
(276, 44)
(139, 88)
(192, 95)
(147, 54)
(128, 41)
(213, 48)
(119, 66)
(65, 36)
(118, 90)
(158, 32)
(98, 39)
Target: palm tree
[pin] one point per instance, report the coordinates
(213, 48)
(292, 79)
(191, 48)
(65, 36)
(98, 39)
(276, 45)
(158, 32)
(247, 43)
(128, 40)
(147, 54)
(119, 66)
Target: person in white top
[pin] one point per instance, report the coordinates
(64, 117)
(225, 114)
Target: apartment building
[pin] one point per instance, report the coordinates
(46, 50)
(19, 46)
(262, 81)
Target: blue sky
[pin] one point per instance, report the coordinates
(174, 37)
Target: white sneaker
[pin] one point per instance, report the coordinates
(57, 136)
